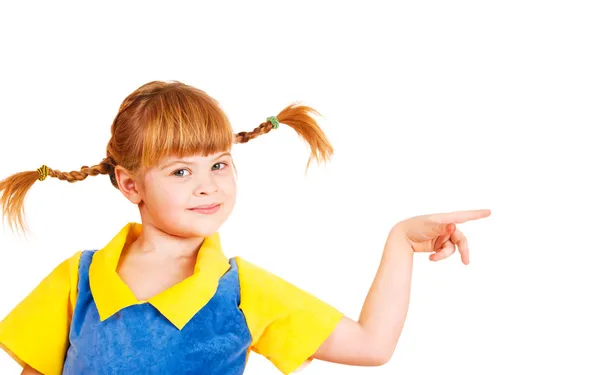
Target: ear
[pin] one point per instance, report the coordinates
(128, 184)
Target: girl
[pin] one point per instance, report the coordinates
(161, 297)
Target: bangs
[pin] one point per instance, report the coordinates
(183, 122)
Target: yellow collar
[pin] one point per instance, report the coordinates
(179, 303)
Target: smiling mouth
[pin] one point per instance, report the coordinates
(207, 209)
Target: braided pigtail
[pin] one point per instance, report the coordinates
(14, 188)
(297, 117)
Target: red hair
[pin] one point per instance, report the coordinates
(162, 119)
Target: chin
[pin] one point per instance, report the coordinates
(192, 228)
(202, 228)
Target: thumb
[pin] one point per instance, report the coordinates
(426, 230)
(435, 229)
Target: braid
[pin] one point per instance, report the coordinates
(243, 137)
(14, 188)
(80, 175)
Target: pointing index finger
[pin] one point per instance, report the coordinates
(459, 217)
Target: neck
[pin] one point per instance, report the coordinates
(155, 242)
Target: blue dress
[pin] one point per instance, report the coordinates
(140, 340)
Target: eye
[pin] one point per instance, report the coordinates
(223, 166)
(180, 170)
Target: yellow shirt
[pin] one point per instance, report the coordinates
(287, 324)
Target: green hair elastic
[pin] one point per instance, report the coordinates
(273, 120)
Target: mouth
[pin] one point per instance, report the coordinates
(207, 208)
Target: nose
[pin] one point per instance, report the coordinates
(206, 186)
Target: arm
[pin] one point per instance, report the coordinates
(36, 332)
(372, 340)
(28, 370)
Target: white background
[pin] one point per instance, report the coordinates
(432, 106)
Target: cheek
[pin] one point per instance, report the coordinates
(168, 198)
(229, 188)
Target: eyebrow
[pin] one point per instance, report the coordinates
(190, 163)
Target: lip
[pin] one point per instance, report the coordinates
(206, 206)
(207, 209)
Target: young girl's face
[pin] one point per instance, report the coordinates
(175, 192)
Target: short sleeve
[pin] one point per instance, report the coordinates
(36, 331)
(287, 324)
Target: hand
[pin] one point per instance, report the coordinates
(438, 233)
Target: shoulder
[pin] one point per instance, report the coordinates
(267, 294)
(56, 289)
(66, 271)
(257, 282)
(250, 271)
(61, 280)
(71, 264)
